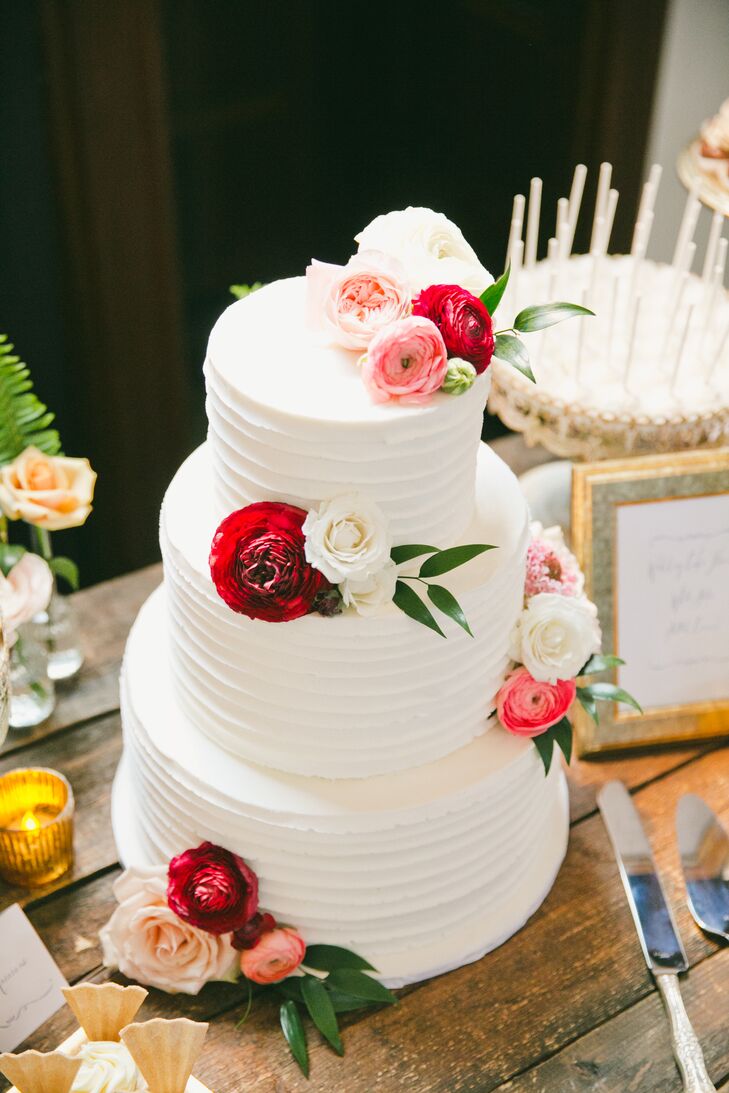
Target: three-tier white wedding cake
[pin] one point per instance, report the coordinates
(351, 758)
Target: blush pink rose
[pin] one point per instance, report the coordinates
(146, 940)
(355, 301)
(407, 361)
(275, 955)
(527, 707)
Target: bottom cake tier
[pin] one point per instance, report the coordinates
(420, 871)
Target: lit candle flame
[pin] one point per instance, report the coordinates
(29, 822)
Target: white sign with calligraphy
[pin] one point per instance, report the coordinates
(30, 980)
(672, 600)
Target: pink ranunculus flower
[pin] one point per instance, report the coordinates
(146, 940)
(355, 301)
(527, 707)
(406, 361)
(275, 955)
(24, 592)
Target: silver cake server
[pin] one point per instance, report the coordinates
(662, 948)
(704, 846)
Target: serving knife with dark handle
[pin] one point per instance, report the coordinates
(703, 843)
(657, 931)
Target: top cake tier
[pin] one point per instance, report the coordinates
(290, 420)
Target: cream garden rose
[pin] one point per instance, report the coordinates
(430, 246)
(556, 635)
(23, 593)
(147, 941)
(355, 301)
(369, 595)
(52, 492)
(347, 538)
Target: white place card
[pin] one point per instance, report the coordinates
(30, 980)
(672, 600)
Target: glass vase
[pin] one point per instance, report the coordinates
(58, 630)
(32, 694)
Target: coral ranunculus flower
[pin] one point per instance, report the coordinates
(527, 707)
(212, 889)
(258, 565)
(277, 954)
(463, 321)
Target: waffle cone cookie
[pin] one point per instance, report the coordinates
(165, 1051)
(103, 1009)
(38, 1072)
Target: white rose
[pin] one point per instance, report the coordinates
(107, 1067)
(555, 636)
(430, 246)
(347, 538)
(24, 592)
(369, 594)
(146, 940)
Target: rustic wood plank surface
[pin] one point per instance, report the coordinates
(566, 1005)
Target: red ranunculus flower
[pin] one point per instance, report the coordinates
(258, 565)
(212, 889)
(463, 321)
(250, 934)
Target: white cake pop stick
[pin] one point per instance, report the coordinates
(603, 185)
(563, 228)
(532, 231)
(580, 338)
(517, 220)
(681, 346)
(578, 187)
(611, 320)
(721, 346)
(688, 226)
(717, 222)
(606, 226)
(631, 344)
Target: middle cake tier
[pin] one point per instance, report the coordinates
(348, 696)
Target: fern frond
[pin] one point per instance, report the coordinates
(24, 420)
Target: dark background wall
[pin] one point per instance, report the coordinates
(154, 151)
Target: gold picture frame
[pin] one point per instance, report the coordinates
(599, 491)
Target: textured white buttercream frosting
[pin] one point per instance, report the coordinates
(418, 870)
(290, 420)
(107, 1067)
(345, 696)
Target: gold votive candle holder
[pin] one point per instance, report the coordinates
(36, 826)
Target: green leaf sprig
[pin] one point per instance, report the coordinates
(439, 562)
(24, 420)
(344, 987)
(588, 695)
(507, 345)
(241, 291)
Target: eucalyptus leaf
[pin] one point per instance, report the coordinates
(290, 988)
(400, 554)
(321, 1011)
(241, 291)
(588, 704)
(410, 602)
(446, 560)
(360, 985)
(511, 350)
(562, 732)
(545, 746)
(10, 555)
(325, 958)
(446, 602)
(600, 662)
(293, 1029)
(541, 316)
(491, 297)
(67, 569)
(608, 692)
(345, 1003)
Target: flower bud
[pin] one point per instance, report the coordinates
(459, 377)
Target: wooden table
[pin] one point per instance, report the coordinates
(566, 1005)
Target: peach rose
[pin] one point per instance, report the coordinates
(146, 940)
(354, 301)
(24, 592)
(275, 955)
(53, 492)
(528, 707)
(406, 361)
